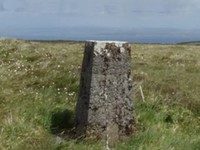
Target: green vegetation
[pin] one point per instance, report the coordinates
(39, 86)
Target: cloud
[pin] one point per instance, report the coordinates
(43, 6)
(87, 7)
(2, 5)
(192, 6)
(102, 7)
(21, 6)
(105, 12)
(166, 7)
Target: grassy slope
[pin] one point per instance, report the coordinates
(39, 85)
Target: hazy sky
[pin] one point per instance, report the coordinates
(101, 13)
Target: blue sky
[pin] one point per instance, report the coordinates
(108, 13)
(124, 14)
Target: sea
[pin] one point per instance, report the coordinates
(133, 35)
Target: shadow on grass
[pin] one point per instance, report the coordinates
(62, 123)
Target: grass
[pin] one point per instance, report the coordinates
(39, 85)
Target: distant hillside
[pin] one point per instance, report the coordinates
(190, 43)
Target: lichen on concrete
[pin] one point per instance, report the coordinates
(105, 105)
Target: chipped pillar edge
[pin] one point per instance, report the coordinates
(82, 106)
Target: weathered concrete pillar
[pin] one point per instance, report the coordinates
(105, 105)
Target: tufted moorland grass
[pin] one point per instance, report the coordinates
(39, 86)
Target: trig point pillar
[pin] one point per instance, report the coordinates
(105, 105)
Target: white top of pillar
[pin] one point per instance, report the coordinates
(99, 46)
(97, 41)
